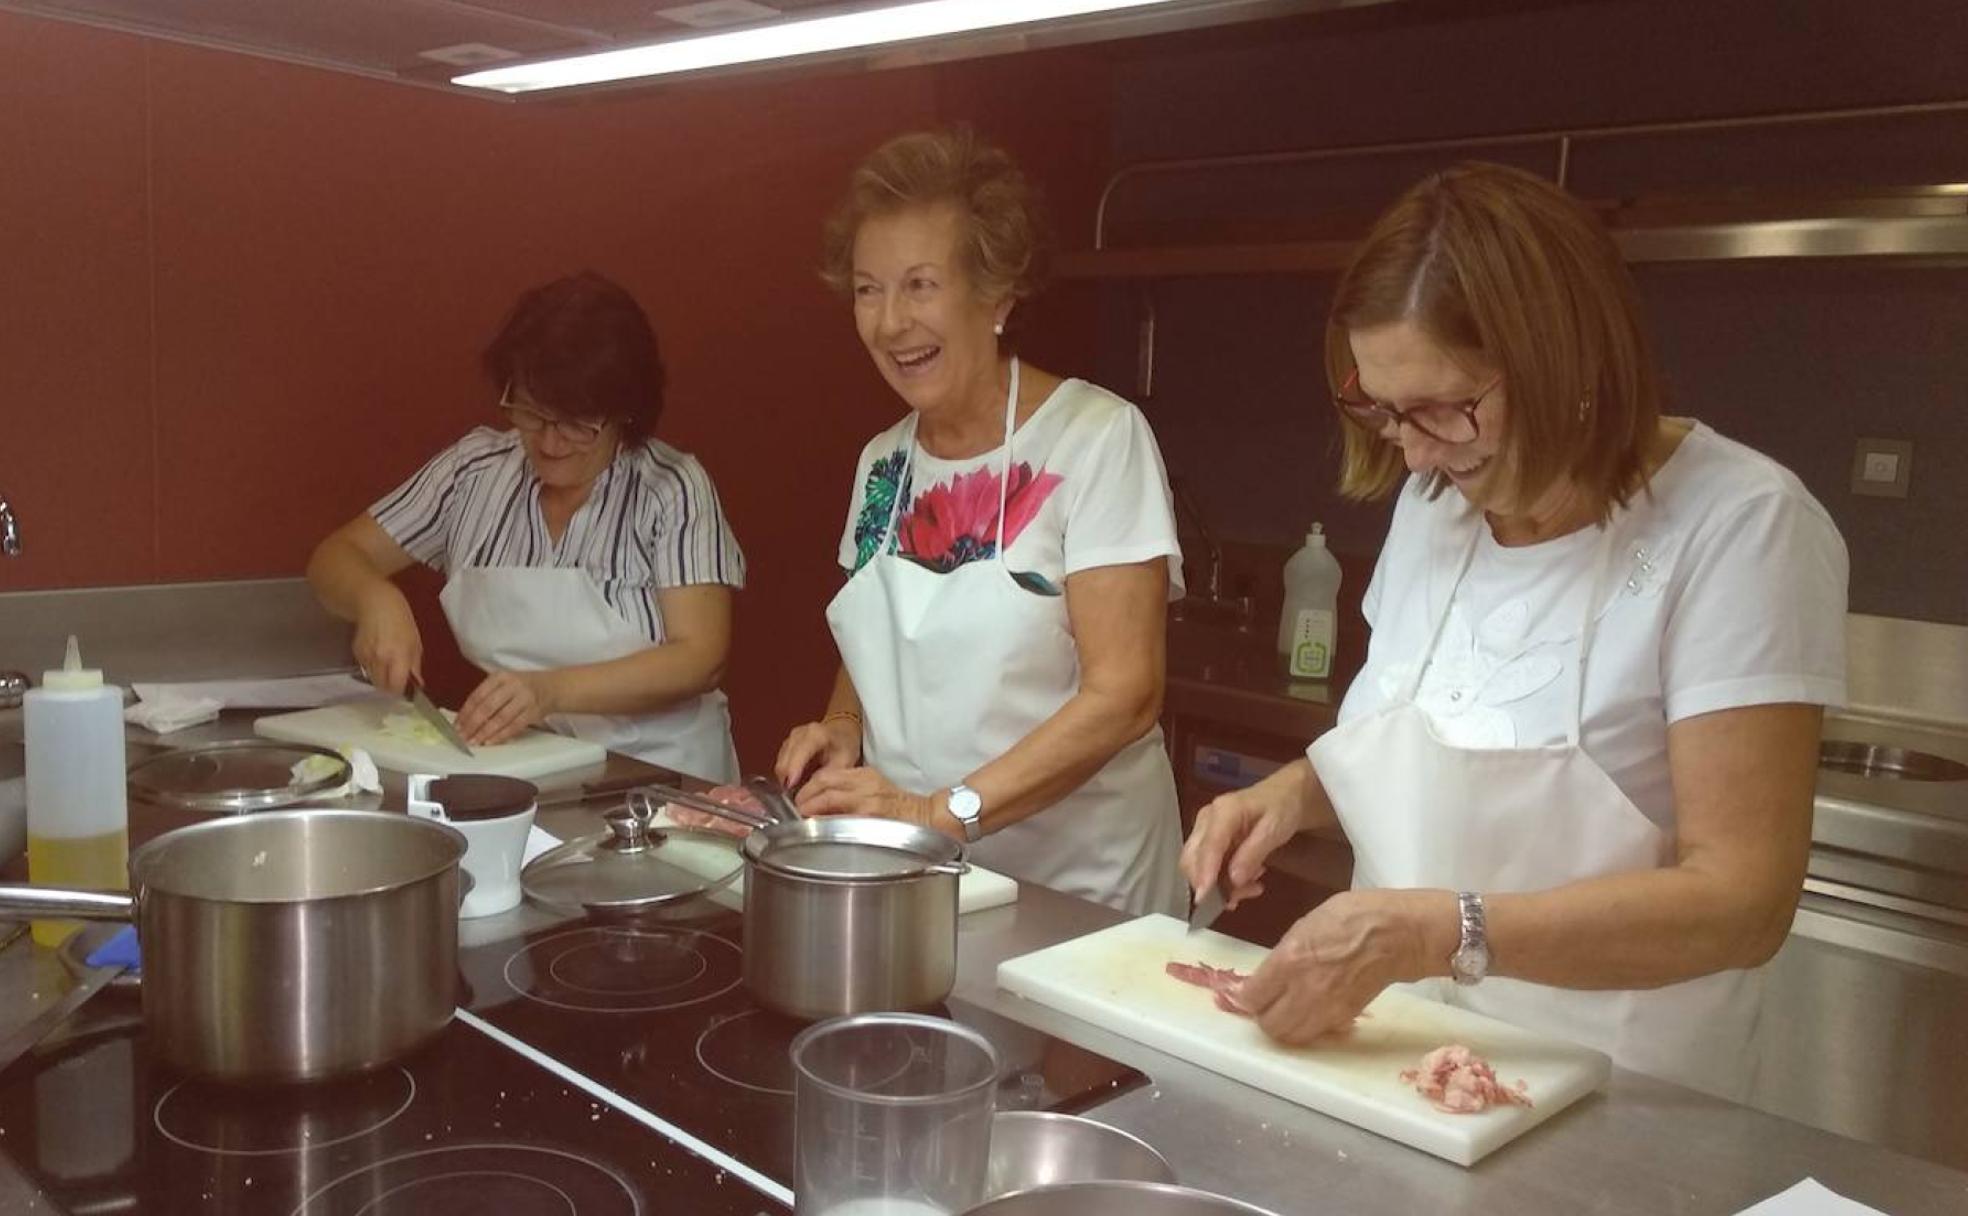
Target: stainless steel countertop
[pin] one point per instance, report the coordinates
(1642, 1146)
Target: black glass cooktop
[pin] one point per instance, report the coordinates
(596, 1070)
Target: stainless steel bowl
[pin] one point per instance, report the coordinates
(1035, 1148)
(1115, 1199)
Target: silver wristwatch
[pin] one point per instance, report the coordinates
(1471, 961)
(968, 807)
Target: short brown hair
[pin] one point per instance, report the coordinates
(1005, 239)
(581, 346)
(1495, 260)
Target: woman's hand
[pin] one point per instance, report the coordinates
(504, 704)
(864, 791)
(1339, 956)
(834, 743)
(1244, 827)
(387, 645)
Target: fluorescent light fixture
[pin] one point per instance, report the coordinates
(789, 40)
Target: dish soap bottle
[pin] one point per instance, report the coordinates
(1305, 628)
(77, 817)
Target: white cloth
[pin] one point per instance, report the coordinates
(1727, 589)
(955, 666)
(1088, 489)
(1428, 800)
(509, 618)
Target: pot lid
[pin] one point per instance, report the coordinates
(238, 775)
(634, 866)
(846, 849)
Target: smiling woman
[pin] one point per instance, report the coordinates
(1009, 551)
(1576, 771)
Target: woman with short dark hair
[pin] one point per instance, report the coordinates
(1577, 769)
(589, 567)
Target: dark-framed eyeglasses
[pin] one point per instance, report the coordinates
(1442, 421)
(577, 431)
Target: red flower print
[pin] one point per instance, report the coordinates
(951, 524)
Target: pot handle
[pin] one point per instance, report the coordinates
(948, 867)
(57, 903)
(697, 802)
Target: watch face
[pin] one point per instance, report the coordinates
(1469, 964)
(965, 803)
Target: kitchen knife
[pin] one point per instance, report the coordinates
(421, 702)
(1207, 909)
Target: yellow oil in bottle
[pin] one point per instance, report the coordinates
(76, 861)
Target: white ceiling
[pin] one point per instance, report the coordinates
(394, 39)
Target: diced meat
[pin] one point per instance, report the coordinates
(1456, 1080)
(1222, 981)
(736, 796)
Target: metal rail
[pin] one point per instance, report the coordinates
(1564, 137)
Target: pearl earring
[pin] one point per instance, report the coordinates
(998, 329)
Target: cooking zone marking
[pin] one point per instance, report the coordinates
(505, 1153)
(663, 1127)
(258, 1116)
(593, 970)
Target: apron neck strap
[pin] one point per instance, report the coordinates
(1004, 464)
(1602, 562)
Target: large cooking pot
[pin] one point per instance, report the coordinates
(849, 915)
(286, 945)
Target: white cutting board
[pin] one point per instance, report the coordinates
(359, 724)
(977, 889)
(1114, 979)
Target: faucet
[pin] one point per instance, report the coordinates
(9, 529)
(1212, 602)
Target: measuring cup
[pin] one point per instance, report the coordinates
(892, 1116)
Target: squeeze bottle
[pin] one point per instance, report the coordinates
(1305, 628)
(77, 817)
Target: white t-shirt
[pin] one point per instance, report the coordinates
(1725, 588)
(1088, 489)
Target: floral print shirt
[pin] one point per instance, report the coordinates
(1088, 488)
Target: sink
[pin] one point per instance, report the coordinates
(1889, 763)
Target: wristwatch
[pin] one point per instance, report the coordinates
(968, 807)
(1471, 961)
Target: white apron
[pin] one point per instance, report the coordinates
(522, 618)
(953, 669)
(1420, 812)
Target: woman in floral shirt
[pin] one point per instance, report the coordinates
(1009, 552)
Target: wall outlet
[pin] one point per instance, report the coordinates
(1882, 468)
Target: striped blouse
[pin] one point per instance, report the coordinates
(652, 521)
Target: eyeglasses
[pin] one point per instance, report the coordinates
(576, 431)
(1442, 421)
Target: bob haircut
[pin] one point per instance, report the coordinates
(1005, 243)
(582, 347)
(1503, 264)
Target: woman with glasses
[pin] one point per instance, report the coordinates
(1008, 554)
(1577, 768)
(588, 566)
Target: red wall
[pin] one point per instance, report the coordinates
(242, 299)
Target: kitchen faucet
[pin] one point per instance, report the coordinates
(1211, 602)
(9, 529)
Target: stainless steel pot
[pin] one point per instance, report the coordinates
(850, 916)
(287, 945)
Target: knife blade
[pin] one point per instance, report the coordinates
(421, 702)
(1207, 909)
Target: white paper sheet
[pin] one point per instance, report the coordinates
(1810, 1198)
(538, 841)
(289, 692)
